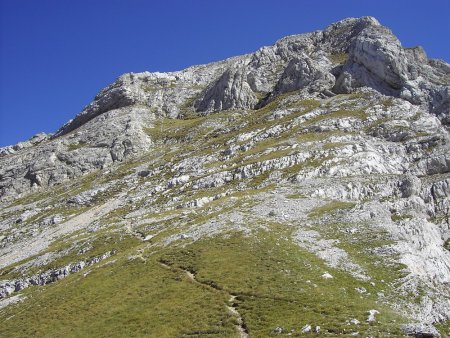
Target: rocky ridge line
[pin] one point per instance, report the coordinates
(347, 55)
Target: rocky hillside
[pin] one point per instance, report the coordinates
(303, 189)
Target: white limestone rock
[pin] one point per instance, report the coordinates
(372, 313)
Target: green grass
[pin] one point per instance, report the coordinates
(276, 283)
(447, 244)
(307, 105)
(129, 299)
(295, 196)
(173, 128)
(341, 113)
(257, 181)
(266, 156)
(258, 119)
(339, 58)
(308, 164)
(269, 274)
(205, 140)
(388, 103)
(40, 195)
(330, 208)
(315, 136)
(75, 146)
(444, 329)
(359, 246)
(332, 145)
(398, 217)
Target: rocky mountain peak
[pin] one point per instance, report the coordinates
(344, 57)
(315, 171)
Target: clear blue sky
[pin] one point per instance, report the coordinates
(57, 54)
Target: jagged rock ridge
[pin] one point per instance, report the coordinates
(370, 56)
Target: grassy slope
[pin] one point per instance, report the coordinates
(277, 285)
(126, 299)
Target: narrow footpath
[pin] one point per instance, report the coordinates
(232, 306)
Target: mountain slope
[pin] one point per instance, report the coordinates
(303, 188)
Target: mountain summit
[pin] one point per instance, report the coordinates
(300, 189)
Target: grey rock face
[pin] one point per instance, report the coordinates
(35, 140)
(231, 91)
(421, 331)
(306, 75)
(376, 59)
(120, 94)
(48, 277)
(108, 138)
(86, 197)
(111, 128)
(410, 186)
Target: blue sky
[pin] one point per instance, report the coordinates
(56, 55)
